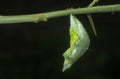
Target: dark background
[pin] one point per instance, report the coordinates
(34, 51)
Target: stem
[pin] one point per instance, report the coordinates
(93, 3)
(44, 16)
(90, 17)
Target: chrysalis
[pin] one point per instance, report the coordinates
(79, 43)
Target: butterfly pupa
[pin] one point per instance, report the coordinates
(79, 43)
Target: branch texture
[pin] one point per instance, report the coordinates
(44, 16)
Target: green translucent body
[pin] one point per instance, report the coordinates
(79, 43)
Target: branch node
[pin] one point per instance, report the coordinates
(40, 17)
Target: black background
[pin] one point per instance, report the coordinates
(34, 51)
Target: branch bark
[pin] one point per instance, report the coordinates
(44, 16)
